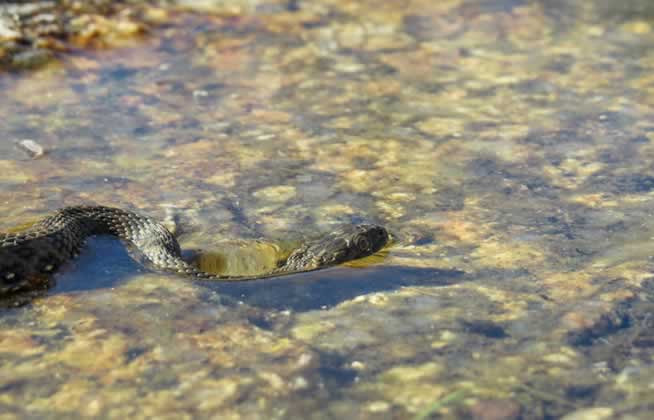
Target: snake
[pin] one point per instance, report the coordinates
(31, 256)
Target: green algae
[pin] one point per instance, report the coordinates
(451, 398)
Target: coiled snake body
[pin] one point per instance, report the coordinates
(30, 256)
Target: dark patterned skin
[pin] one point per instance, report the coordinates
(344, 244)
(28, 258)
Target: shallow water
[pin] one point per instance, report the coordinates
(506, 144)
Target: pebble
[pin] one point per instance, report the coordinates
(595, 413)
(495, 410)
(7, 31)
(33, 149)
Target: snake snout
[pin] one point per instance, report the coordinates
(377, 237)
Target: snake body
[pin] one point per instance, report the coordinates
(30, 256)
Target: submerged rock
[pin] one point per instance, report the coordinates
(32, 32)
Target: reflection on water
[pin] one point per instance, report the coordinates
(506, 144)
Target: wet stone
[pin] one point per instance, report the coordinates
(598, 413)
(32, 148)
(495, 410)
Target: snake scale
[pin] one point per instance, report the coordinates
(29, 257)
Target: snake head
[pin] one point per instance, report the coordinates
(366, 240)
(345, 244)
(350, 243)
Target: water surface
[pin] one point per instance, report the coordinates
(506, 144)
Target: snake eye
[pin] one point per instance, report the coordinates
(363, 243)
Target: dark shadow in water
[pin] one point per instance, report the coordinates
(331, 286)
(105, 263)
